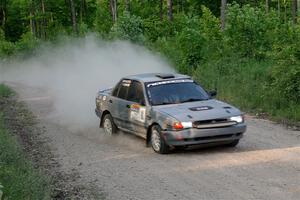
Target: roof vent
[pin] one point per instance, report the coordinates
(165, 76)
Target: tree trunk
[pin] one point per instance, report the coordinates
(3, 12)
(285, 13)
(44, 21)
(32, 19)
(114, 11)
(81, 10)
(161, 15)
(170, 9)
(294, 11)
(73, 16)
(267, 6)
(278, 8)
(127, 5)
(223, 14)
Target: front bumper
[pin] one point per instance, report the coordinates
(195, 136)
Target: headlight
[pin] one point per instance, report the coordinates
(238, 119)
(182, 125)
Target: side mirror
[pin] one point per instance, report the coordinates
(213, 93)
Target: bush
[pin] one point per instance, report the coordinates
(128, 27)
(28, 42)
(5, 91)
(285, 83)
(184, 49)
(250, 30)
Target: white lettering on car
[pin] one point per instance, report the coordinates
(169, 82)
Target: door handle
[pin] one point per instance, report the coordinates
(110, 101)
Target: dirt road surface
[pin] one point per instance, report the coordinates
(265, 165)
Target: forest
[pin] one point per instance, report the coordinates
(248, 50)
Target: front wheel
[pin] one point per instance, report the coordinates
(109, 125)
(157, 142)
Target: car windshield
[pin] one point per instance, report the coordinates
(174, 93)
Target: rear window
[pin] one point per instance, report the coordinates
(121, 90)
(174, 93)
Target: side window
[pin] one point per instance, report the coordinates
(116, 89)
(135, 93)
(123, 89)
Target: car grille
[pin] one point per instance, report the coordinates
(214, 123)
(215, 137)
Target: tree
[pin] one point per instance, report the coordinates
(127, 5)
(267, 5)
(44, 20)
(223, 13)
(161, 15)
(170, 9)
(278, 8)
(73, 16)
(3, 12)
(114, 10)
(32, 18)
(294, 11)
(82, 10)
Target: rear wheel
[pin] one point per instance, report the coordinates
(109, 125)
(233, 143)
(157, 141)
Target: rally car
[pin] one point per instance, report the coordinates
(168, 110)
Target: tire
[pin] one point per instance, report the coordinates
(108, 125)
(157, 141)
(234, 143)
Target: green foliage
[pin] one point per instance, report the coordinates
(285, 82)
(5, 91)
(255, 86)
(128, 27)
(1, 192)
(250, 30)
(7, 48)
(27, 42)
(103, 20)
(258, 51)
(19, 179)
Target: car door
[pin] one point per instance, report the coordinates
(137, 112)
(119, 105)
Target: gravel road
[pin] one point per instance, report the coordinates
(265, 165)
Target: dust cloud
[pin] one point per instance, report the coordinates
(74, 71)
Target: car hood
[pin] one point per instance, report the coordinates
(200, 110)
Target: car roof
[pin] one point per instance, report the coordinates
(153, 77)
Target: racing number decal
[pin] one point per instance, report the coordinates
(137, 113)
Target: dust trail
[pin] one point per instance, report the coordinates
(74, 71)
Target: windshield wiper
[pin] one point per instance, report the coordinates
(192, 99)
(164, 103)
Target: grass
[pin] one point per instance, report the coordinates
(17, 175)
(245, 85)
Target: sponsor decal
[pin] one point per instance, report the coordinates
(137, 112)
